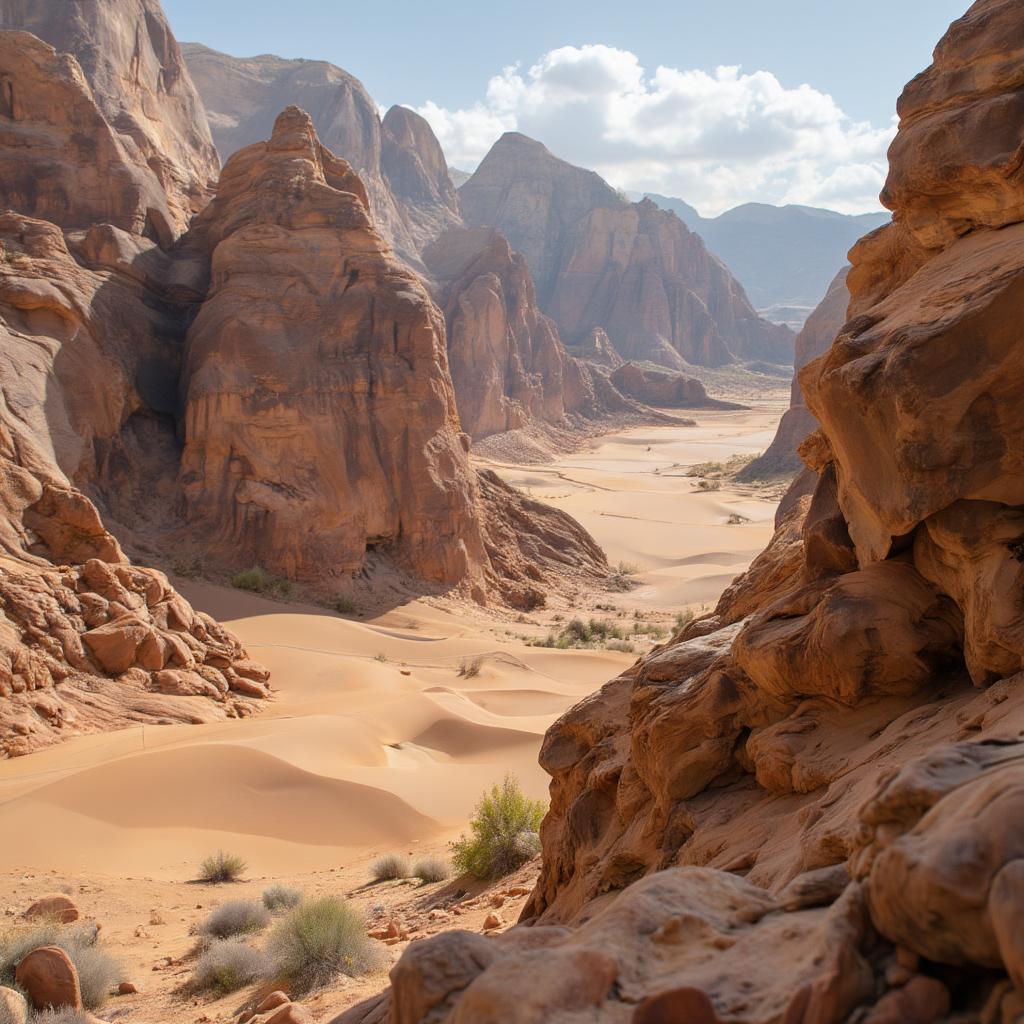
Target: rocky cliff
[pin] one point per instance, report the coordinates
(155, 152)
(630, 269)
(804, 808)
(798, 422)
(412, 199)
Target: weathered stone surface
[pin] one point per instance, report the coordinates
(57, 907)
(781, 458)
(411, 197)
(14, 1005)
(137, 127)
(49, 979)
(664, 389)
(600, 262)
(304, 446)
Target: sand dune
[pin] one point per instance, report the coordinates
(376, 739)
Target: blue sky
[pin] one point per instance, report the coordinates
(811, 127)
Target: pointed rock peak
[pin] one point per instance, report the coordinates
(293, 129)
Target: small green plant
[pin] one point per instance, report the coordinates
(320, 940)
(503, 832)
(221, 867)
(281, 897)
(390, 867)
(258, 581)
(623, 577)
(683, 619)
(345, 605)
(228, 965)
(236, 917)
(469, 668)
(431, 869)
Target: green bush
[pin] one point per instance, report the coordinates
(221, 867)
(431, 869)
(345, 606)
(281, 897)
(390, 867)
(623, 577)
(258, 581)
(683, 619)
(228, 965)
(503, 832)
(320, 940)
(97, 969)
(236, 917)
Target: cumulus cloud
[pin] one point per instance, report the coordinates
(714, 139)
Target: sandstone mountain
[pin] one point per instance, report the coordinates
(784, 256)
(781, 458)
(155, 151)
(412, 198)
(804, 807)
(600, 262)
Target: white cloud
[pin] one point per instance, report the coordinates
(714, 139)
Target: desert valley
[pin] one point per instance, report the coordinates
(446, 597)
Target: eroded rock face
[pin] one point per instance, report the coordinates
(411, 197)
(664, 389)
(844, 730)
(599, 262)
(507, 361)
(781, 458)
(319, 414)
(155, 154)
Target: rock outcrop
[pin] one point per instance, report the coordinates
(412, 199)
(798, 422)
(87, 640)
(664, 389)
(844, 730)
(320, 419)
(508, 364)
(630, 269)
(154, 151)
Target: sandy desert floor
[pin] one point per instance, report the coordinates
(375, 743)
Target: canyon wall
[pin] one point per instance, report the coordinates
(629, 269)
(141, 88)
(412, 199)
(804, 807)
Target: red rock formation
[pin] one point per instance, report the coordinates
(798, 421)
(87, 640)
(507, 362)
(844, 731)
(664, 389)
(319, 414)
(631, 270)
(412, 200)
(308, 446)
(139, 85)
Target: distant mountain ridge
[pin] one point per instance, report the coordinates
(784, 256)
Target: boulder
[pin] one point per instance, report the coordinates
(49, 979)
(56, 907)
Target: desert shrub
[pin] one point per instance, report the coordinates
(735, 519)
(318, 941)
(380, 657)
(7, 1016)
(236, 917)
(623, 646)
(623, 577)
(345, 605)
(281, 897)
(97, 969)
(503, 832)
(431, 869)
(708, 485)
(683, 619)
(221, 867)
(258, 581)
(64, 1015)
(390, 866)
(229, 964)
(469, 668)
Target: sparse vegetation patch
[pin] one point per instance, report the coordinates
(258, 581)
(221, 867)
